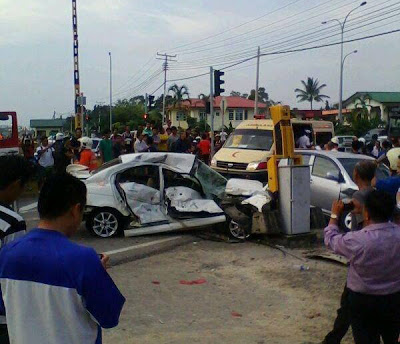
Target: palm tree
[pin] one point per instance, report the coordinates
(311, 91)
(180, 94)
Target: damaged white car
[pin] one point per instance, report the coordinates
(148, 193)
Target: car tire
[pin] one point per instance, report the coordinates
(345, 221)
(236, 231)
(105, 223)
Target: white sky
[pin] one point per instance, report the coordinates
(36, 65)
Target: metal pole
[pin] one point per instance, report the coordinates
(109, 53)
(257, 80)
(145, 104)
(341, 77)
(212, 109)
(164, 118)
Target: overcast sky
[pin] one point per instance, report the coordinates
(36, 69)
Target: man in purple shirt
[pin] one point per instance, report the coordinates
(373, 280)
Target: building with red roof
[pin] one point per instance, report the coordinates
(238, 109)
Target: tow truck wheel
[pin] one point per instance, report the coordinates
(104, 223)
(236, 231)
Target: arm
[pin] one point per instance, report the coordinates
(102, 298)
(347, 244)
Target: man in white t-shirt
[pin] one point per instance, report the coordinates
(304, 141)
(45, 158)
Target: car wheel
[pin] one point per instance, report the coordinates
(104, 223)
(237, 231)
(345, 221)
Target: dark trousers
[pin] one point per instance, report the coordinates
(342, 321)
(4, 334)
(374, 316)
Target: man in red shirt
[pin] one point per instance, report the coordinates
(204, 148)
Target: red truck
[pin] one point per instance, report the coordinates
(9, 144)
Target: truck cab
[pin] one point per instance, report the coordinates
(9, 144)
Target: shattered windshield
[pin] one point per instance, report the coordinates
(213, 183)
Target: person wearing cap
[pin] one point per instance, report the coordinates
(62, 156)
(335, 142)
(304, 141)
(88, 158)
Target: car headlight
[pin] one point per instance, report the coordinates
(214, 162)
(257, 166)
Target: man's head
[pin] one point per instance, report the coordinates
(386, 145)
(379, 207)
(148, 125)
(174, 130)
(168, 131)
(155, 131)
(355, 145)
(204, 136)
(364, 171)
(44, 141)
(329, 146)
(115, 132)
(61, 202)
(127, 129)
(149, 140)
(15, 172)
(374, 137)
(78, 133)
(183, 135)
(106, 133)
(169, 123)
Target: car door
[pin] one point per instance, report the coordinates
(325, 183)
(141, 186)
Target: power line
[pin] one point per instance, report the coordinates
(235, 27)
(242, 53)
(296, 50)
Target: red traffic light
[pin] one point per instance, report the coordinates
(145, 116)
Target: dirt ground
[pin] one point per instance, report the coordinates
(252, 294)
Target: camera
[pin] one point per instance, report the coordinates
(348, 205)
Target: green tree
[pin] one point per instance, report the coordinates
(311, 92)
(180, 94)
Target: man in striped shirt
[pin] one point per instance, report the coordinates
(15, 171)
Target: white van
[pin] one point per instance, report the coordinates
(246, 151)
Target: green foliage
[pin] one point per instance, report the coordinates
(180, 94)
(359, 123)
(229, 129)
(192, 122)
(311, 91)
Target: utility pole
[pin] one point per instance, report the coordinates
(78, 113)
(166, 58)
(145, 104)
(257, 81)
(212, 109)
(109, 53)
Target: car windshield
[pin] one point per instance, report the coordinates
(107, 165)
(212, 182)
(382, 171)
(253, 139)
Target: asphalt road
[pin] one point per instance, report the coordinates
(120, 249)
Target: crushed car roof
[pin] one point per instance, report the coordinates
(180, 161)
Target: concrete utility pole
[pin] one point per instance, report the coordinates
(342, 25)
(212, 109)
(109, 53)
(78, 113)
(145, 104)
(257, 81)
(166, 58)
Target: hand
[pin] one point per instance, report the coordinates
(337, 207)
(104, 260)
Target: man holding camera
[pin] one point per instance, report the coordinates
(373, 280)
(363, 174)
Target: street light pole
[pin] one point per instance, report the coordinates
(109, 53)
(342, 25)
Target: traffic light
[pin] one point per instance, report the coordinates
(151, 102)
(218, 82)
(145, 116)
